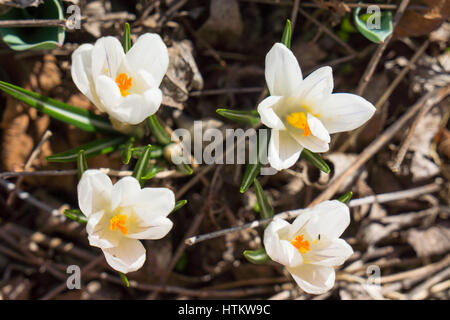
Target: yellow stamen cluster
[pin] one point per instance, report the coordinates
(124, 83)
(300, 244)
(298, 120)
(118, 222)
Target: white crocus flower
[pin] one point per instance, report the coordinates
(302, 113)
(310, 247)
(120, 214)
(126, 86)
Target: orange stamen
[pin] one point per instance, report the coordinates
(124, 83)
(298, 120)
(118, 222)
(300, 244)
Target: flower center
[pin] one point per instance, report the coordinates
(298, 120)
(124, 83)
(118, 222)
(300, 244)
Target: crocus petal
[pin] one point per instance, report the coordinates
(150, 54)
(311, 142)
(282, 71)
(94, 192)
(267, 113)
(300, 223)
(284, 151)
(99, 234)
(107, 57)
(82, 73)
(345, 112)
(317, 128)
(153, 203)
(313, 279)
(158, 229)
(124, 192)
(128, 256)
(332, 218)
(279, 250)
(317, 87)
(329, 253)
(108, 93)
(136, 108)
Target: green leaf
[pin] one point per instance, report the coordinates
(158, 131)
(141, 165)
(375, 33)
(256, 256)
(75, 215)
(126, 151)
(346, 25)
(181, 263)
(250, 117)
(155, 152)
(34, 38)
(81, 163)
(124, 279)
(101, 146)
(287, 34)
(251, 172)
(126, 43)
(266, 210)
(178, 205)
(151, 172)
(184, 168)
(346, 197)
(80, 118)
(315, 160)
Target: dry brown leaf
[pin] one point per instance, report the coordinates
(418, 22)
(444, 143)
(182, 75)
(16, 143)
(224, 25)
(309, 54)
(435, 240)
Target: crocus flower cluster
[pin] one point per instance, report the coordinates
(302, 113)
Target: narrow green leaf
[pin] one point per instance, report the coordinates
(126, 151)
(250, 117)
(141, 165)
(75, 215)
(315, 160)
(124, 279)
(287, 34)
(155, 152)
(81, 163)
(80, 118)
(178, 205)
(126, 38)
(375, 28)
(184, 168)
(346, 197)
(151, 172)
(263, 201)
(256, 256)
(158, 131)
(251, 172)
(101, 146)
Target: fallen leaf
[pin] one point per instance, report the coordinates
(435, 240)
(418, 22)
